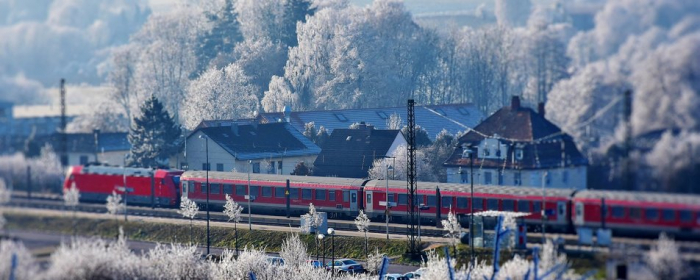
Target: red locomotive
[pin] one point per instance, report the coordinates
(153, 187)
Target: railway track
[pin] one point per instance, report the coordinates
(54, 202)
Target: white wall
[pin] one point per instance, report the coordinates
(400, 140)
(576, 177)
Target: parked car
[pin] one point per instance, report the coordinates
(346, 265)
(315, 263)
(275, 260)
(394, 276)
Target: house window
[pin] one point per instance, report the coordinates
(83, 160)
(183, 166)
(279, 167)
(517, 179)
(519, 153)
(279, 192)
(487, 178)
(206, 166)
(215, 188)
(256, 167)
(465, 177)
(547, 178)
(320, 194)
(446, 201)
(293, 193)
(228, 189)
(462, 203)
(500, 177)
(219, 167)
(240, 190)
(331, 195)
(487, 152)
(267, 191)
(306, 194)
(565, 177)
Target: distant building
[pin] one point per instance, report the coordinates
(273, 148)
(349, 153)
(454, 118)
(516, 146)
(105, 148)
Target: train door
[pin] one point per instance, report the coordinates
(368, 202)
(353, 200)
(578, 214)
(561, 212)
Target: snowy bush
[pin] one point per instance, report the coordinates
(46, 170)
(26, 265)
(665, 260)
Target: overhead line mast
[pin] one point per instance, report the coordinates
(414, 251)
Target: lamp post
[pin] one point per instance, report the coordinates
(388, 204)
(331, 232)
(250, 166)
(543, 213)
(323, 246)
(206, 143)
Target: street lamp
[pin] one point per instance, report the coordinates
(543, 213)
(323, 244)
(388, 203)
(250, 166)
(206, 141)
(331, 232)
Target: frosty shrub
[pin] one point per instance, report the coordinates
(188, 209)
(114, 203)
(374, 262)
(454, 229)
(665, 260)
(294, 251)
(312, 220)
(26, 265)
(4, 193)
(13, 168)
(362, 223)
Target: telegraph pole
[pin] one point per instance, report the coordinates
(411, 177)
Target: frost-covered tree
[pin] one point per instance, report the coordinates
(26, 266)
(122, 79)
(673, 159)
(362, 223)
(399, 163)
(301, 169)
(311, 220)
(374, 261)
(438, 152)
(153, 136)
(294, 252)
(13, 168)
(4, 199)
(233, 211)
(260, 59)
(453, 228)
(394, 122)
(422, 138)
(665, 261)
(219, 94)
(115, 206)
(188, 209)
(215, 46)
(71, 198)
(513, 12)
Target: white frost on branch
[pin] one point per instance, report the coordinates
(665, 261)
(114, 204)
(311, 220)
(188, 208)
(71, 196)
(232, 210)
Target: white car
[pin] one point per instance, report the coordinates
(346, 265)
(394, 276)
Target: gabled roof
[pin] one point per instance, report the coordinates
(85, 142)
(454, 118)
(542, 142)
(350, 153)
(252, 141)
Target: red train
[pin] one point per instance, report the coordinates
(626, 213)
(152, 187)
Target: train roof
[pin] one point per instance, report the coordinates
(466, 188)
(275, 178)
(688, 199)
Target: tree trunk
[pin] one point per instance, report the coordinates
(235, 227)
(190, 232)
(366, 241)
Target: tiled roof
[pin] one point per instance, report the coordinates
(454, 118)
(349, 153)
(253, 141)
(542, 142)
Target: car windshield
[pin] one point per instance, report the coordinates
(349, 262)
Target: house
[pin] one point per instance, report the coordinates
(273, 148)
(83, 148)
(349, 153)
(518, 146)
(455, 118)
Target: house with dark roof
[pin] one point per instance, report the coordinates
(350, 153)
(519, 147)
(105, 148)
(455, 118)
(273, 148)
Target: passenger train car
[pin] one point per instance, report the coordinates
(152, 187)
(626, 213)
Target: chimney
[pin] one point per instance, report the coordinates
(515, 103)
(234, 128)
(540, 108)
(287, 113)
(362, 125)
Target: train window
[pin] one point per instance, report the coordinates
(391, 197)
(279, 192)
(293, 193)
(240, 190)
(523, 206)
(267, 191)
(537, 207)
(446, 201)
(369, 197)
(228, 189)
(618, 212)
(651, 213)
(686, 216)
(462, 203)
(635, 213)
(431, 200)
(191, 187)
(420, 199)
(403, 199)
(492, 204)
(346, 197)
(478, 204)
(320, 194)
(215, 188)
(254, 190)
(508, 205)
(203, 188)
(305, 194)
(331, 195)
(669, 215)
